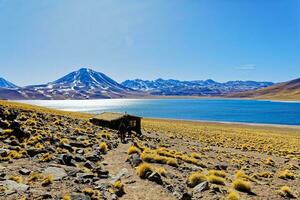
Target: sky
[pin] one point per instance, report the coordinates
(40, 41)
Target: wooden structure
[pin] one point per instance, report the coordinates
(114, 121)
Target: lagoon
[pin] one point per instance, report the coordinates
(219, 110)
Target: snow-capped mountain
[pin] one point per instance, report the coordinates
(200, 87)
(6, 84)
(82, 84)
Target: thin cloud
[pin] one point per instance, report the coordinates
(247, 67)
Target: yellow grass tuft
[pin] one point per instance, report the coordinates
(47, 180)
(103, 147)
(217, 173)
(241, 185)
(216, 180)
(196, 178)
(133, 150)
(143, 168)
(286, 174)
(67, 197)
(18, 179)
(233, 195)
(285, 191)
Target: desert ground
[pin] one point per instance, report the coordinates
(51, 154)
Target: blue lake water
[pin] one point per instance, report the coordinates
(225, 110)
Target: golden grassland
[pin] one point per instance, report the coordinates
(279, 140)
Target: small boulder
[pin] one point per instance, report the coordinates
(135, 160)
(56, 172)
(24, 171)
(155, 177)
(201, 187)
(65, 159)
(13, 186)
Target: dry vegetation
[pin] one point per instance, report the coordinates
(188, 160)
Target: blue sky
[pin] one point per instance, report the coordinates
(125, 39)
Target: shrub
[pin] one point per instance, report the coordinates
(119, 188)
(162, 171)
(241, 185)
(133, 150)
(67, 197)
(286, 174)
(18, 179)
(103, 147)
(195, 155)
(34, 177)
(233, 195)
(270, 162)
(216, 180)
(217, 173)
(47, 180)
(285, 191)
(143, 169)
(13, 154)
(196, 178)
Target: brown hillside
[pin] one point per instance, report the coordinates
(283, 91)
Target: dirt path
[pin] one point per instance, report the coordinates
(135, 187)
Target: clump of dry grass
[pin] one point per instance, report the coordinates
(195, 179)
(233, 195)
(18, 179)
(241, 185)
(286, 174)
(133, 150)
(143, 169)
(219, 173)
(270, 161)
(67, 197)
(216, 180)
(286, 191)
(47, 180)
(118, 188)
(35, 176)
(103, 147)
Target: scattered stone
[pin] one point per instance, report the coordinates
(201, 187)
(58, 173)
(66, 146)
(77, 144)
(85, 175)
(221, 166)
(13, 186)
(76, 196)
(33, 152)
(123, 172)
(94, 158)
(65, 159)
(135, 160)
(24, 171)
(103, 174)
(89, 165)
(79, 158)
(155, 177)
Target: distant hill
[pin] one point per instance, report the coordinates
(82, 84)
(6, 84)
(200, 87)
(282, 91)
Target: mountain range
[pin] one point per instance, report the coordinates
(193, 88)
(289, 90)
(88, 84)
(82, 84)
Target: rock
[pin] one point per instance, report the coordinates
(79, 158)
(123, 172)
(155, 177)
(89, 165)
(24, 171)
(4, 152)
(77, 144)
(221, 166)
(76, 196)
(46, 196)
(85, 175)
(33, 152)
(15, 143)
(58, 173)
(101, 173)
(65, 159)
(183, 196)
(201, 187)
(80, 151)
(94, 157)
(14, 186)
(66, 146)
(135, 160)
